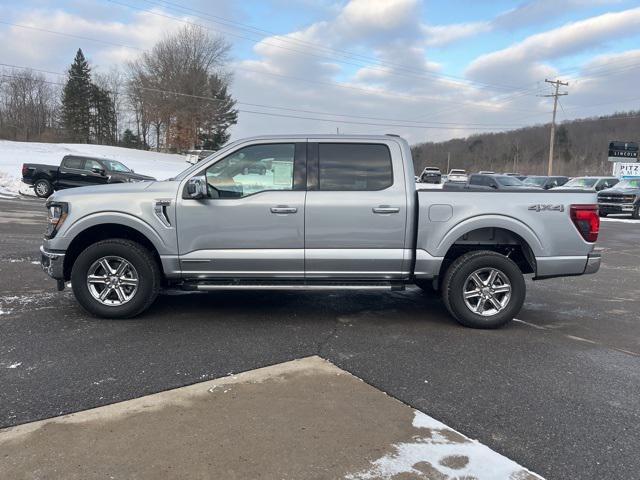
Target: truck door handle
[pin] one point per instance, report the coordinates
(83, 174)
(385, 209)
(283, 209)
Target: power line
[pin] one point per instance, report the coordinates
(330, 120)
(366, 90)
(289, 40)
(200, 97)
(423, 74)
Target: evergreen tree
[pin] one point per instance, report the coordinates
(76, 100)
(102, 117)
(130, 139)
(215, 131)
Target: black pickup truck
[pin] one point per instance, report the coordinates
(77, 171)
(624, 197)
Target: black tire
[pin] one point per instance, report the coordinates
(146, 267)
(636, 212)
(602, 214)
(43, 188)
(456, 278)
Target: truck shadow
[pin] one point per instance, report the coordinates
(408, 306)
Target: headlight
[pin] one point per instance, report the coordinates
(56, 215)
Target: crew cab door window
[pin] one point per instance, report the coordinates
(253, 169)
(72, 162)
(354, 167)
(90, 164)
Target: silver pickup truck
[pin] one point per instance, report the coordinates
(314, 213)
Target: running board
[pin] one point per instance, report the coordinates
(294, 286)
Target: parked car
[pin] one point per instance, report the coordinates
(431, 175)
(338, 212)
(512, 174)
(458, 175)
(76, 171)
(544, 181)
(495, 182)
(624, 197)
(592, 184)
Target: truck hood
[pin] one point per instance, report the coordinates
(625, 191)
(166, 188)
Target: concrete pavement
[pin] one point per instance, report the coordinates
(304, 419)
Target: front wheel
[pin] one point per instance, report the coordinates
(636, 212)
(602, 214)
(115, 278)
(483, 289)
(43, 188)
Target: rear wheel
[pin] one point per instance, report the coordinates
(115, 278)
(483, 289)
(43, 188)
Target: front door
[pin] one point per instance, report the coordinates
(252, 224)
(356, 211)
(95, 172)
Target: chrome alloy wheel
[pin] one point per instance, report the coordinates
(487, 291)
(41, 188)
(112, 281)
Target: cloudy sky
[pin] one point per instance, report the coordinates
(427, 70)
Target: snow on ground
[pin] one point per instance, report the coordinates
(14, 154)
(441, 452)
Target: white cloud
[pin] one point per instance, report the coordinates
(522, 60)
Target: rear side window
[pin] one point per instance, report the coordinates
(72, 162)
(354, 166)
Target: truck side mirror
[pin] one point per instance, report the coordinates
(98, 170)
(196, 188)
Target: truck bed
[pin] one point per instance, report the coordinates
(539, 220)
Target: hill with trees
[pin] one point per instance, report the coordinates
(580, 149)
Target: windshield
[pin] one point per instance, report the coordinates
(539, 181)
(457, 172)
(629, 183)
(581, 182)
(114, 166)
(509, 181)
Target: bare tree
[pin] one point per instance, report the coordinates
(28, 106)
(176, 87)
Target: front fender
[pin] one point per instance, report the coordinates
(63, 239)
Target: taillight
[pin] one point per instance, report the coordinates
(25, 170)
(586, 220)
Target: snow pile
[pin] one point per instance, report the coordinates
(14, 154)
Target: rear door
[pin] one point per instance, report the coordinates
(70, 173)
(356, 210)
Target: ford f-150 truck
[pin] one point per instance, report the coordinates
(314, 212)
(76, 171)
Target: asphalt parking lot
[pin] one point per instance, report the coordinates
(558, 391)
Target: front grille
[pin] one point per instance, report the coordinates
(616, 198)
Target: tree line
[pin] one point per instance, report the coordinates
(581, 148)
(174, 97)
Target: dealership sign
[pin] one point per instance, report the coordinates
(626, 170)
(623, 152)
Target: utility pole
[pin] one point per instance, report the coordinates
(448, 161)
(555, 95)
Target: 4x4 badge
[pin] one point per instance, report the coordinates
(546, 208)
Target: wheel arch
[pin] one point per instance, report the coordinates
(498, 239)
(103, 231)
